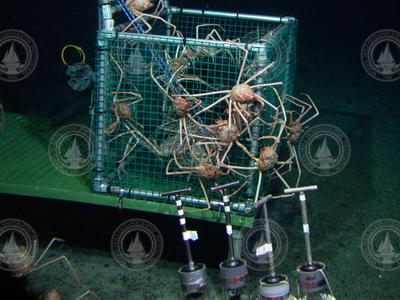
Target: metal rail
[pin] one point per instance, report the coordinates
(130, 192)
(211, 13)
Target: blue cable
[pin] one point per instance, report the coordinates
(159, 60)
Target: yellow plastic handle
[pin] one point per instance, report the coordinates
(79, 49)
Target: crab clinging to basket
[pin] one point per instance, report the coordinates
(241, 97)
(202, 161)
(208, 168)
(180, 105)
(121, 107)
(122, 111)
(267, 162)
(138, 7)
(199, 52)
(268, 157)
(243, 105)
(295, 126)
(205, 168)
(241, 93)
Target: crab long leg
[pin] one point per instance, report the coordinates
(53, 240)
(305, 107)
(238, 110)
(246, 151)
(164, 91)
(260, 72)
(128, 149)
(125, 99)
(281, 178)
(121, 71)
(207, 25)
(238, 189)
(294, 154)
(261, 120)
(239, 167)
(206, 94)
(226, 153)
(209, 106)
(141, 15)
(205, 197)
(276, 139)
(314, 106)
(168, 172)
(195, 79)
(88, 292)
(243, 62)
(288, 162)
(55, 260)
(179, 165)
(295, 101)
(267, 84)
(186, 134)
(135, 132)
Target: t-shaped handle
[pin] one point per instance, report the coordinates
(176, 192)
(225, 186)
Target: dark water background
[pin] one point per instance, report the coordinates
(330, 35)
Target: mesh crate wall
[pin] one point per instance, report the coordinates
(135, 140)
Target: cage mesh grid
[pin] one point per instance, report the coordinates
(228, 28)
(136, 121)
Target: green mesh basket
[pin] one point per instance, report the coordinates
(140, 78)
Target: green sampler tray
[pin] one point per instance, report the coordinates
(26, 170)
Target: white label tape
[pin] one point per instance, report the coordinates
(229, 229)
(180, 212)
(227, 208)
(264, 249)
(302, 197)
(178, 202)
(306, 228)
(182, 221)
(190, 235)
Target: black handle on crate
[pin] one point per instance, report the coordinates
(262, 201)
(301, 189)
(225, 186)
(227, 209)
(176, 192)
(182, 222)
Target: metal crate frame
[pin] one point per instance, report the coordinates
(284, 27)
